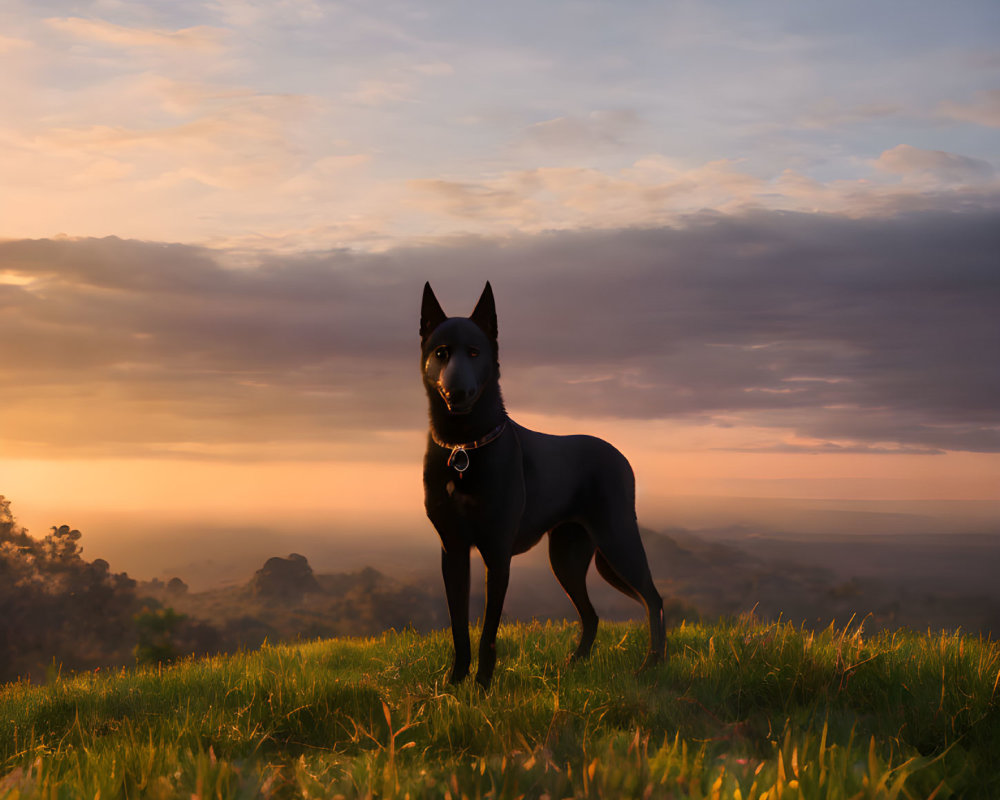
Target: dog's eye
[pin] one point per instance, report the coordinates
(473, 352)
(442, 353)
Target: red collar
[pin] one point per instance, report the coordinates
(459, 458)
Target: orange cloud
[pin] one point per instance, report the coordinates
(10, 44)
(937, 165)
(103, 32)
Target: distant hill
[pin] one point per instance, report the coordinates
(918, 581)
(285, 601)
(700, 578)
(60, 611)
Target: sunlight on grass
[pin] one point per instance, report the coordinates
(740, 710)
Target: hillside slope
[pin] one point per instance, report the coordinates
(740, 709)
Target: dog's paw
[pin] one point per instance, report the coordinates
(580, 654)
(484, 679)
(651, 660)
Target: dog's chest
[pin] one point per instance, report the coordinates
(466, 505)
(463, 502)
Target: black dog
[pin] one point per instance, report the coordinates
(492, 484)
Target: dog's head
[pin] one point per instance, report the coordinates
(459, 354)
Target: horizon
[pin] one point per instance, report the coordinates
(216, 550)
(755, 251)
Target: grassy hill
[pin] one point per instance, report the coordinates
(741, 710)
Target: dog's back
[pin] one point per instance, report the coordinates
(576, 478)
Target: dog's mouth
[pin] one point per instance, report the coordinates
(456, 405)
(459, 408)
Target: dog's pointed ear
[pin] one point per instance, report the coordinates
(485, 315)
(431, 313)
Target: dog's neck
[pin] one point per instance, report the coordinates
(485, 416)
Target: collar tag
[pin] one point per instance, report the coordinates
(459, 459)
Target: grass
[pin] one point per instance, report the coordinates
(740, 710)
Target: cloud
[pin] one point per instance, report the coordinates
(434, 68)
(10, 44)
(397, 83)
(195, 148)
(598, 130)
(104, 32)
(253, 14)
(983, 110)
(830, 448)
(651, 191)
(828, 113)
(910, 161)
(858, 335)
(377, 92)
(656, 190)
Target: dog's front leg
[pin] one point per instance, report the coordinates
(455, 568)
(497, 577)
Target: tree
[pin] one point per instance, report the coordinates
(54, 605)
(156, 628)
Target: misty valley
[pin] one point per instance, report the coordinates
(60, 613)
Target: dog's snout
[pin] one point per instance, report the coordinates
(457, 397)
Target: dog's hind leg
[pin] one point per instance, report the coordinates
(621, 560)
(604, 568)
(570, 552)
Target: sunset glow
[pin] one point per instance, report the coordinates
(754, 248)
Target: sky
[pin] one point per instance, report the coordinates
(753, 245)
